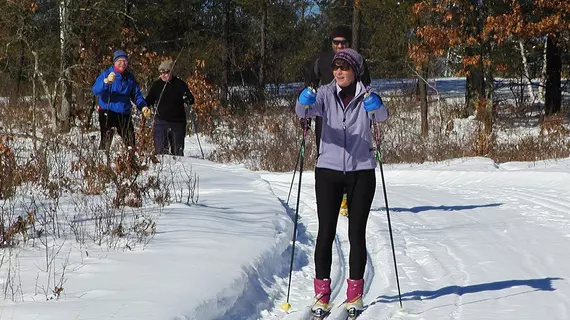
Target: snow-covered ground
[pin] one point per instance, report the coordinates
(473, 240)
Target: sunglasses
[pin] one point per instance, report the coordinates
(337, 42)
(164, 71)
(343, 67)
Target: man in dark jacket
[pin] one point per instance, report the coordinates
(169, 93)
(320, 73)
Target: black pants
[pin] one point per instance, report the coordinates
(122, 122)
(165, 133)
(360, 187)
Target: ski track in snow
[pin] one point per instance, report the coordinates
(433, 245)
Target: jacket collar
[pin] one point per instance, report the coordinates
(360, 89)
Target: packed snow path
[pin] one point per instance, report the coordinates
(473, 241)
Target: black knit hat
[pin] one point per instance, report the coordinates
(342, 31)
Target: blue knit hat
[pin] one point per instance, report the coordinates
(120, 54)
(353, 59)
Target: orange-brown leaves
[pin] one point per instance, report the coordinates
(206, 102)
(438, 27)
(503, 26)
(26, 5)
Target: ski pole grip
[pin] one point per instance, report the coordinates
(308, 96)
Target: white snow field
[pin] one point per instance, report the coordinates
(473, 240)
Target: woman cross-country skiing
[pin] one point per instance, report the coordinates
(346, 161)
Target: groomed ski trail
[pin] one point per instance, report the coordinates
(339, 271)
(463, 240)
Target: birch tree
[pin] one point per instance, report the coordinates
(61, 118)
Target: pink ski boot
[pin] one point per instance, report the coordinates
(322, 297)
(354, 295)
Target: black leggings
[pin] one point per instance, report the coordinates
(360, 187)
(109, 120)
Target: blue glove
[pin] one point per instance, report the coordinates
(308, 96)
(372, 102)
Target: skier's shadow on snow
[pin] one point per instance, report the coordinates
(301, 258)
(302, 234)
(439, 208)
(544, 284)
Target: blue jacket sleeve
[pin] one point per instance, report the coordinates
(137, 96)
(100, 88)
(315, 110)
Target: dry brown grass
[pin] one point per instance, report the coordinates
(267, 138)
(263, 140)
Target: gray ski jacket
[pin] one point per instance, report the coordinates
(346, 139)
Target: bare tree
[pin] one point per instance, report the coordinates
(527, 76)
(553, 99)
(61, 119)
(263, 53)
(356, 23)
(226, 63)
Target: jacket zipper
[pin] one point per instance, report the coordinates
(344, 153)
(344, 110)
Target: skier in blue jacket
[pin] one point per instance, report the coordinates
(115, 89)
(346, 161)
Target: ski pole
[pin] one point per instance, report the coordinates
(286, 306)
(193, 119)
(107, 137)
(378, 157)
(293, 179)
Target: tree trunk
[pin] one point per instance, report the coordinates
(226, 53)
(34, 104)
(356, 23)
(543, 72)
(527, 77)
(127, 22)
(553, 99)
(476, 82)
(446, 70)
(489, 101)
(474, 89)
(20, 69)
(422, 86)
(261, 83)
(51, 96)
(63, 115)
